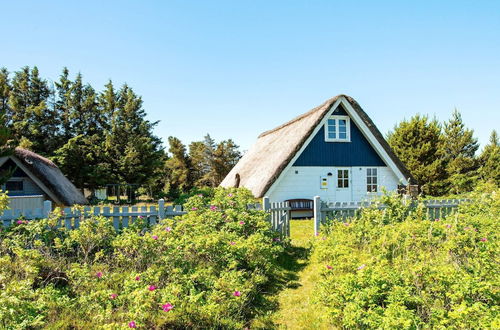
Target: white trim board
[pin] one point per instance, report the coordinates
(364, 130)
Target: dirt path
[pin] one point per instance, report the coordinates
(297, 310)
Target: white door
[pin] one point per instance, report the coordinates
(343, 186)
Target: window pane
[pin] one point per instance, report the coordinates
(374, 180)
(342, 129)
(342, 123)
(339, 174)
(339, 183)
(331, 135)
(346, 183)
(374, 189)
(346, 173)
(368, 171)
(369, 180)
(374, 171)
(331, 122)
(342, 136)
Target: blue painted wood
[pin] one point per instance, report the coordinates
(358, 152)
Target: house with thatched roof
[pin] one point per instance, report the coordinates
(35, 175)
(334, 151)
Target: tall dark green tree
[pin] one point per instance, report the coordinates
(418, 143)
(178, 167)
(6, 146)
(199, 165)
(490, 160)
(32, 118)
(132, 149)
(459, 153)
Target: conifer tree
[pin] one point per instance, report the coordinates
(418, 144)
(199, 165)
(178, 166)
(6, 144)
(459, 149)
(132, 149)
(490, 160)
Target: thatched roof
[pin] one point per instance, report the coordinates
(51, 176)
(259, 168)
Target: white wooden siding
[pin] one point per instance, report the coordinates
(306, 183)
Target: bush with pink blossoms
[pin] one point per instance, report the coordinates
(182, 273)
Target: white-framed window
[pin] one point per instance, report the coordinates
(338, 129)
(342, 178)
(371, 180)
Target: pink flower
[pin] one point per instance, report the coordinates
(232, 243)
(98, 274)
(154, 237)
(329, 267)
(113, 296)
(213, 208)
(19, 222)
(484, 239)
(200, 195)
(152, 288)
(317, 234)
(194, 209)
(448, 226)
(236, 293)
(169, 229)
(167, 307)
(346, 224)
(361, 267)
(242, 222)
(437, 219)
(132, 324)
(141, 217)
(276, 239)
(137, 278)
(229, 195)
(323, 238)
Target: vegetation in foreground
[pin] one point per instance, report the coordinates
(395, 269)
(206, 269)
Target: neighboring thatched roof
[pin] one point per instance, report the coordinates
(51, 176)
(259, 168)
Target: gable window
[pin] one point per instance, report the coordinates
(14, 186)
(337, 129)
(343, 178)
(371, 180)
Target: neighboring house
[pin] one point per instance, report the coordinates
(333, 151)
(36, 179)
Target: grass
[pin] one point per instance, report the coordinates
(296, 309)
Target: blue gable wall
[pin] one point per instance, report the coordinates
(358, 152)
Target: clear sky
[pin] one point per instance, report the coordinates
(236, 68)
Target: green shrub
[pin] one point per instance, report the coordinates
(394, 269)
(206, 269)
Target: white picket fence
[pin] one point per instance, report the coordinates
(343, 210)
(123, 216)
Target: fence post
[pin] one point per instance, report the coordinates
(266, 205)
(47, 208)
(317, 214)
(161, 209)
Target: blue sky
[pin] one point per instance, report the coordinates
(236, 68)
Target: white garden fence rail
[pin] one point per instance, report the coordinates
(123, 216)
(341, 211)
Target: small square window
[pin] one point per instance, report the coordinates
(337, 129)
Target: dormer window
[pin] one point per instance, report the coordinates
(337, 129)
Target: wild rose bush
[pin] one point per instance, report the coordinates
(206, 269)
(405, 272)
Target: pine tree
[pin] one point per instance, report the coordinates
(4, 95)
(178, 166)
(132, 149)
(418, 144)
(31, 114)
(199, 166)
(6, 144)
(490, 160)
(459, 149)
(62, 104)
(225, 156)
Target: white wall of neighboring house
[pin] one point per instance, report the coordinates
(304, 182)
